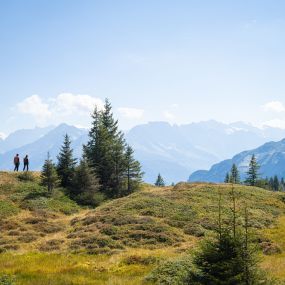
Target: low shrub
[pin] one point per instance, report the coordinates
(7, 280)
(269, 248)
(194, 230)
(27, 238)
(26, 176)
(173, 272)
(51, 245)
(142, 260)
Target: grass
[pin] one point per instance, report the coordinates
(51, 240)
(275, 263)
(7, 209)
(128, 268)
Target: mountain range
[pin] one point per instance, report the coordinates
(270, 157)
(172, 150)
(45, 140)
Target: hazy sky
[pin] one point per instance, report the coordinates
(179, 61)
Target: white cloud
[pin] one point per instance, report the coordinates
(68, 104)
(274, 106)
(131, 113)
(3, 136)
(35, 107)
(275, 123)
(168, 115)
(65, 107)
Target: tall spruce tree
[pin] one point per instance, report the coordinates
(49, 177)
(159, 181)
(253, 172)
(106, 152)
(234, 176)
(66, 163)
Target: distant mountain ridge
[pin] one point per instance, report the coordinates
(22, 137)
(50, 142)
(172, 150)
(175, 150)
(270, 156)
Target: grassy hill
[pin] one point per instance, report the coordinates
(51, 240)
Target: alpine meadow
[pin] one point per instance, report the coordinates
(142, 142)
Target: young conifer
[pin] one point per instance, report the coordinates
(49, 177)
(234, 176)
(66, 163)
(159, 181)
(253, 172)
(227, 178)
(133, 173)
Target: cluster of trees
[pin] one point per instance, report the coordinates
(107, 169)
(253, 177)
(233, 176)
(272, 183)
(252, 174)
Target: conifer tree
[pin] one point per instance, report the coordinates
(106, 152)
(117, 183)
(253, 174)
(228, 257)
(227, 178)
(276, 183)
(234, 176)
(220, 261)
(49, 177)
(66, 163)
(91, 150)
(271, 183)
(159, 181)
(282, 184)
(133, 173)
(85, 187)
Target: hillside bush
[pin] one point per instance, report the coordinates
(26, 176)
(172, 272)
(6, 280)
(7, 209)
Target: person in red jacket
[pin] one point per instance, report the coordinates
(16, 162)
(26, 163)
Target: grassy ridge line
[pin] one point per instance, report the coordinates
(158, 217)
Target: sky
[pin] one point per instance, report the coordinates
(156, 60)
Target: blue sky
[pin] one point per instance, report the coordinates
(179, 61)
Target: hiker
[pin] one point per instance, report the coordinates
(26, 163)
(16, 162)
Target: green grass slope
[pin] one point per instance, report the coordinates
(51, 240)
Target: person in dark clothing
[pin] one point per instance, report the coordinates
(16, 162)
(26, 163)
